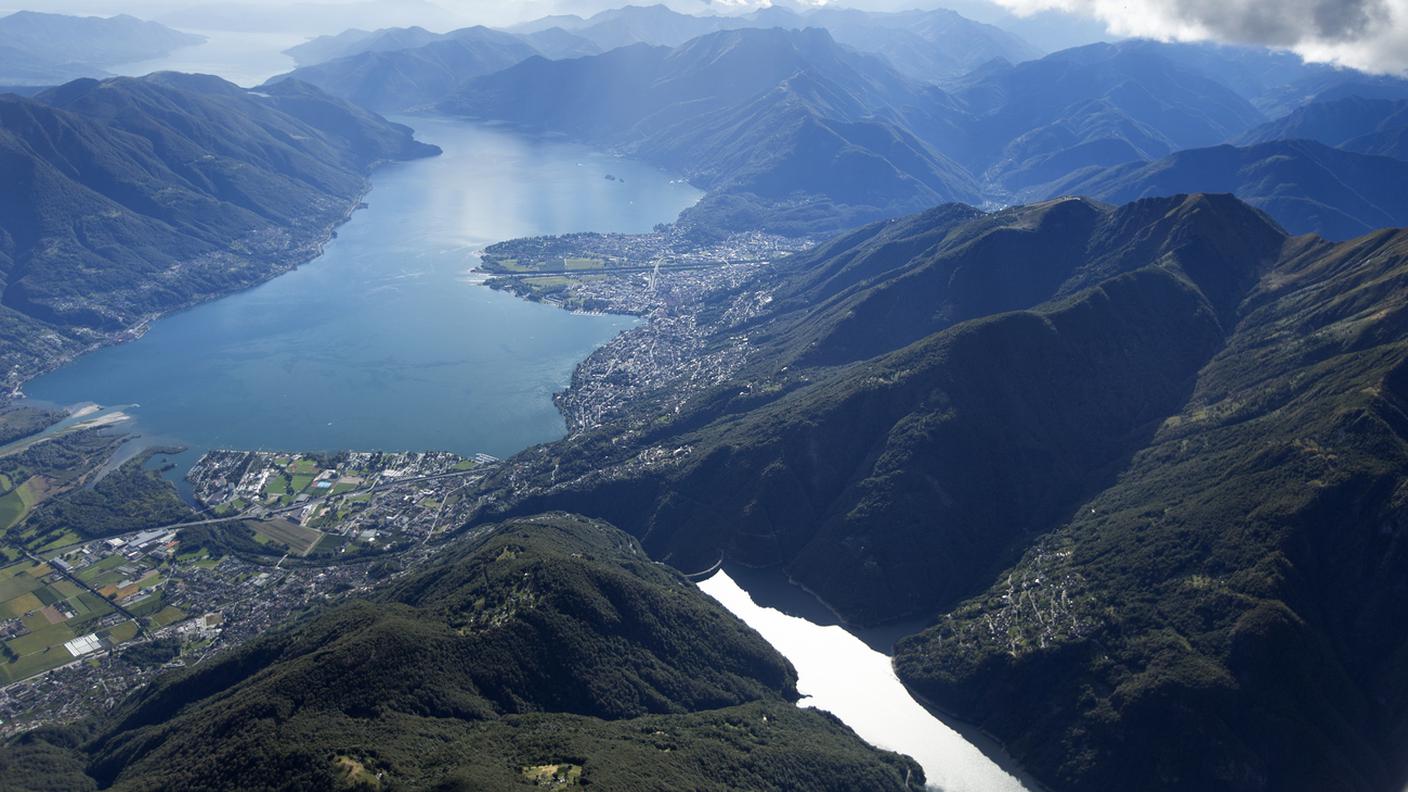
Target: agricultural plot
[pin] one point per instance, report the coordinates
(16, 504)
(296, 538)
(39, 617)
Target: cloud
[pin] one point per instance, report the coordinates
(1365, 34)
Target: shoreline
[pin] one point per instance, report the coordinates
(318, 242)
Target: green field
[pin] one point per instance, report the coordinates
(306, 467)
(275, 486)
(168, 615)
(16, 580)
(579, 264)
(506, 265)
(42, 647)
(301, 481)
(118, 633)
(92, 574)
(19, 606)
(15, 506)
(64, 539)
(52, 635)
(232, 507)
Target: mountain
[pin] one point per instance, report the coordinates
(38, 48)
(781, 125)
(1367, 126)
(399, 79)
(1326, 84)
(568, 22)
(888, 361)
(772, 117)
(556, 43)
(1094, 106)
(354, 42)
(656, 24)
(1229, 612)
(1306, 186)
(132, 197)
(932, 45)
(1140, 466)
(923, 45)
(547, 647)
(550, 42)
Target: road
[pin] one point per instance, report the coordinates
(261, 513)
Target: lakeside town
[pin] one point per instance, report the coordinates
(664, 277)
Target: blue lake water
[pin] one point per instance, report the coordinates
(383, 342)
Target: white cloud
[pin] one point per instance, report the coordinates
(1365, 34)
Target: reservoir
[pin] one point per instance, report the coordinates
(849, 675)
(384, 343)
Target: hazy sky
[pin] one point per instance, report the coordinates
(1368, 34)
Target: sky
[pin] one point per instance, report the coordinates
(1366, 34)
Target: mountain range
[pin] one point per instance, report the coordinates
(925, 46)
(46, 49)
(806, 123)
(390, 80)
(785, 121)
(131, 197)
(784, 116)
(1124, 459)
(1308, 187)
(1355, 123)
(929, 45)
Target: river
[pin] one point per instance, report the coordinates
(848, 674)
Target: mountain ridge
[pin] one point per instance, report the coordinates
(137, 196)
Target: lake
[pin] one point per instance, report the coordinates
(246, 59)
(848, 674)
(384, 343)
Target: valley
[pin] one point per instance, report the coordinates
(763, 398)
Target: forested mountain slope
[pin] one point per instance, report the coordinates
(131, 197)
(1140, 465)
(549, 648)
(1230, 612)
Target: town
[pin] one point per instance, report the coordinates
(668, 246)
(335, 503)
(665, 277)
(82, 625)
